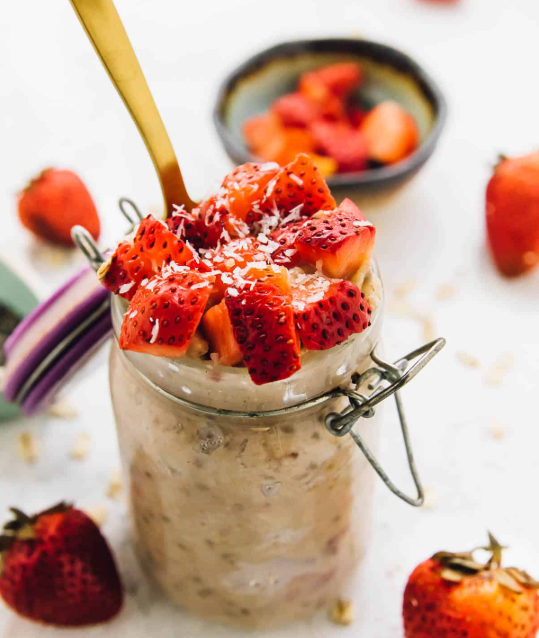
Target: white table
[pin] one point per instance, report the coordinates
(58, 108)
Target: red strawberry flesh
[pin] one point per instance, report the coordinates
(63, 574)
(338, 242)
(299, 182)
(263, 323)
(153, 247)
(286, 254)
(346, 145)
(328, 312)
(164, 314)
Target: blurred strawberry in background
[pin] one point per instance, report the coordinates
(512, 214)
(53, 203)
(326, 119)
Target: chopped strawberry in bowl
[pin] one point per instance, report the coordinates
(366, 113)
(271, 275)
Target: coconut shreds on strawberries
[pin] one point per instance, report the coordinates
(255, 275)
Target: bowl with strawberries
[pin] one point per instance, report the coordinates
(367, 114)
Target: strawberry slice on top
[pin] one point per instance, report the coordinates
(298, 183)
(164, 313)
(328, 312)
(337, 243)
(245, 186)
(286, 254)
(152, 247)
(263, 323)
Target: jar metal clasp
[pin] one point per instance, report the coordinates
(385, 380)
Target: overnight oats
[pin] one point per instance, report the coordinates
(235, 317)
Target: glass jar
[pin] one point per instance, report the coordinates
(253, 519)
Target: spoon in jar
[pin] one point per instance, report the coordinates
(106, 32)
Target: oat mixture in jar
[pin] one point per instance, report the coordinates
(245, 521)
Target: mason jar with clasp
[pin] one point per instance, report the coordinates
(251, 505)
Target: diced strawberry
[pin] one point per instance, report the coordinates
(153, 247)
(299, 182)
(233, 255)
(245, 186)
(184, 225)
(287, 254)
(219, 332)
(340, 79)
(164, 314)
(284, 146)
(295, 109)
(391, 133)
(346, 145)
(339, 242)
(263, 323)
(327, 312)
(260, 130)
(212, 221)
(356, 115)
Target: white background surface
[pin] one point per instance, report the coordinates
(57, 107)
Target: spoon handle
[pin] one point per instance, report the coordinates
(109, 38)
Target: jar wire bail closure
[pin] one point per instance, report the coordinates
(397, 375)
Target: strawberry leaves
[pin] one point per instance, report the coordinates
(458, 566)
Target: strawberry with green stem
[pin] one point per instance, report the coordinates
(455, 596)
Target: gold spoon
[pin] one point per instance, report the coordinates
(109, 38)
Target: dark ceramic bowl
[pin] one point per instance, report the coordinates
(252, 87)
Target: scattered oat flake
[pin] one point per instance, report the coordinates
(497, 430)
(400, 307)
(114, 489)
(28, 447)
(445, 291)
(431, 499)
(98, 513)
(429, 332)
(54, 256)
(497, 371)
(342, 612)
(467, 359)
(81, 447)
(405, 288)
(63, 410)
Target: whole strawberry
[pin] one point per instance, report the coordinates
(512, 214)
(56, 568)
(453, 596)
(53, 203)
